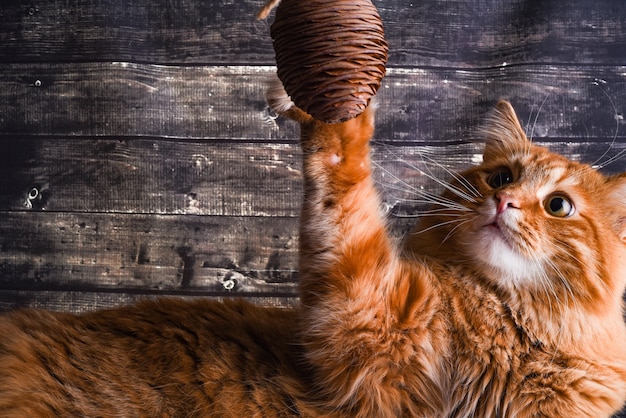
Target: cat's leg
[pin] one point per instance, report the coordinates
(343, 239)
(360, 300)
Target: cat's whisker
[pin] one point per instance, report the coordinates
(439, 225)
(531, 135)
(408, 187)
(440, 212)
(457, 176)
(448, 186)
(547, 284)
(404, 187)
(453, 230)
(597, 162)
(611, 160)
(398, 188)
(424, 215)
(444, 204)
(570, 251)
(570, 299)
(433, 206)
(550, 291)
(560, 277)
(429, 198)
(433, 198)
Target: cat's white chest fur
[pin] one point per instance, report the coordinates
(497, 241)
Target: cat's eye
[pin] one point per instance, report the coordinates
(501, 177)
(559, 205)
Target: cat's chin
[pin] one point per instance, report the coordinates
(495, 252)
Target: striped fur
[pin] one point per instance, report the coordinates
(502, 303)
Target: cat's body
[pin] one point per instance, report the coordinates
(170, 358)
(506, 302)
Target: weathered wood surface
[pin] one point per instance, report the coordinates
(151, 177)
(440, 33)
(154, 252)
(138, 157)
(227, 103)
(79, 301)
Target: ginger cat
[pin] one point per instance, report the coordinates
(505, 302)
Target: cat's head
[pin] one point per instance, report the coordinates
(527, 218)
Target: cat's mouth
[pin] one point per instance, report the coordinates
(490, 223)
(501, 232)
(495, 229)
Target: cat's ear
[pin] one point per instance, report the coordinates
(616, 200)
(503, 132)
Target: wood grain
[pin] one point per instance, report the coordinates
(150, 176)
(467, 34)
(115, 110)
(227, 103)
(155, 31)
(458, 34)
(138, 158)
(211, 254)
(202, 178)
(84, 301)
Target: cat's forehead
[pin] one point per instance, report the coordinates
(548, 171)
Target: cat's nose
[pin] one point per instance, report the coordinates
(505, 201)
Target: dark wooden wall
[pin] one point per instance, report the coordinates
(138, 158)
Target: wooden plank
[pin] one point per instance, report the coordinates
(554, 103)
(48, 251)
(150, 176)
(201, 178)
(466, 34)
(148, 253)
(227, 103)
(80, 301)
(134, 100)
(173, 31)
(421, 33)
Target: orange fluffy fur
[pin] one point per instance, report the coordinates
(513, 309)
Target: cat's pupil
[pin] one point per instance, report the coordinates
(560, 206)
(500, 177)
(556, 204)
